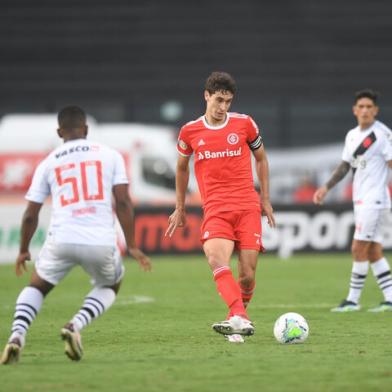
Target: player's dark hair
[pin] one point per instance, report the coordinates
(71, 117)
(366, 93)
(220, 81)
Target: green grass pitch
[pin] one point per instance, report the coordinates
(158, 336)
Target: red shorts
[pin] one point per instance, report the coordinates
(242, 227)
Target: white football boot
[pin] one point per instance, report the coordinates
(346, 306)
(73, 342)
(13, 349)
(234, 325)
(383, 307)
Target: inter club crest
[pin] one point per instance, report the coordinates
(232, 138)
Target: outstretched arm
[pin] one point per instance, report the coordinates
(126, 217)
(262, 170)
(177, 218)
(29, 225)
(338, 174)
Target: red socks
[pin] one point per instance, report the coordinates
(229, 290)
(247, 293)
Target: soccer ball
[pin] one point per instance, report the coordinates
(291, 328)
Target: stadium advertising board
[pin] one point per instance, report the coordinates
(299, 229)
(16, 170)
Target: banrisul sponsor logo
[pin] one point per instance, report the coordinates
(219, 154)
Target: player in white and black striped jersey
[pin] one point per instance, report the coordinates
(81, 176)
(368, 152)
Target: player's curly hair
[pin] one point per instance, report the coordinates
(71, 117)
(220, 81)
(366, 93)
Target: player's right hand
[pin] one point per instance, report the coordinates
(176, 219)
(319, 195)
(21, 266)
(268, 211)
(143, 260)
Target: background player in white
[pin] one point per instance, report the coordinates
(81, 177)
(368, 151)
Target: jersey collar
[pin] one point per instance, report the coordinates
(218, 126)
(368, 128)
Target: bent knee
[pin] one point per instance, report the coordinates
(360, 250)
(116, 287)
(216, 260)
(247, 281)
(375, 253)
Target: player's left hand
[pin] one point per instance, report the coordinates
(21, 266)
(268, 212)
(319, 195)
(143, 260)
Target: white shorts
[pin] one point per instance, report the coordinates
(369, 224)
(102, 263)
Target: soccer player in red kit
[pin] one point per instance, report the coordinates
(222, 143)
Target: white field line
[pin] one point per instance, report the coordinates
(134, 299)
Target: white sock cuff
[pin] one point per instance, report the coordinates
(77, 324)
(380, 266)
(360, 267)
(20, 336)
(218, 270)
(31, 296)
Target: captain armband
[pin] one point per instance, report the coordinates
(257, 143)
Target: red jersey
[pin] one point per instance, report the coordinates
(222, 159)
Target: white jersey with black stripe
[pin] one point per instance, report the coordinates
(368, 152)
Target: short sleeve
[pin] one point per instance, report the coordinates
(387, 147)
(120, 173)
(39, 188)
(254, 139)
(346, 156)
(183, 144)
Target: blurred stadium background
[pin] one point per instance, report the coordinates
(138, 68)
